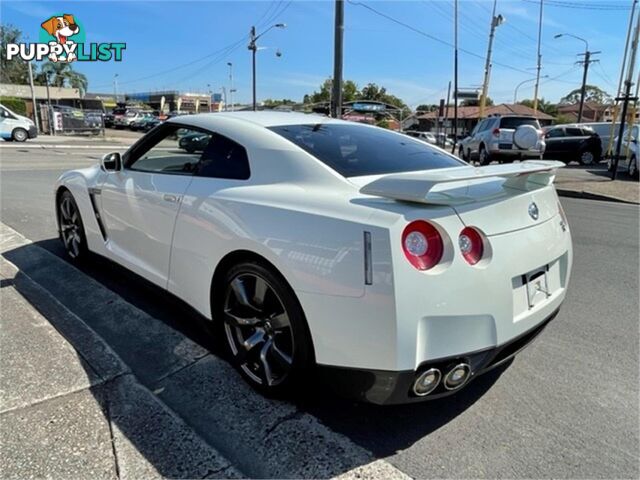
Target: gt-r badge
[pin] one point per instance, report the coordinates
(533, 211)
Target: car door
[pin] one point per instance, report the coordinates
(140, 203)
(474, 141)
(554, 139)
(7, 123)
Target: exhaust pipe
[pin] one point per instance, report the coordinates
(457, 376)
(426, 382)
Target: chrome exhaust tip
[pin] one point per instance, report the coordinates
(457, 376)
(427, 382)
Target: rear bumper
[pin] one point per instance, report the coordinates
(387, 387)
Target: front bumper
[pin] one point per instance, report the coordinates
(388, 387)
(32, 132)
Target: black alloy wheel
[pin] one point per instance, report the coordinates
(71, 227)
(264, 328)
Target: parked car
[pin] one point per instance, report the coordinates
(146, 123)
(16, 127)
(505, 139)
(424, 136)
(570, 143)
(604, 129)
(127, 118)
(194, 142)
(309, 243)
(630, 151)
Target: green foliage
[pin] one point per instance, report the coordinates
(62, 74)
(543, 106)
(562, 119)
(16, 105)
(272, 103)
(384, 123)
(14, 70)
(592, 94)
(427, 108)
(470, 102)
(349, 92)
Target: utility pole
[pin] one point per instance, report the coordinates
(495, 22)
(33, 97)
(338, 35)
(626, 97)
(455, 77)
(52, 130)
(446, 114)
(587, 60)
(539, 64)
(115, 87)
(253, 47)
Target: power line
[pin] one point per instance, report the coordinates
(432, 37)
(584, 5)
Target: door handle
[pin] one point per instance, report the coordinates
(171, 198)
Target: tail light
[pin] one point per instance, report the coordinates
(496, 132)
(422, 244)
(471, 245)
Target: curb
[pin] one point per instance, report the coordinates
(592, 196)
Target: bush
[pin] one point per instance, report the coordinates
(14, 104)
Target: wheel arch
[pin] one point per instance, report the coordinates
(238, 256)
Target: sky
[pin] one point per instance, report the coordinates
(406, 47)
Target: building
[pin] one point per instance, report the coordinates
(468, 117)
(175, 101)
(591, 112)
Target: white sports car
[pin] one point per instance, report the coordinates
(387, 263)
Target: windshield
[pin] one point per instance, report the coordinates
(355, 150)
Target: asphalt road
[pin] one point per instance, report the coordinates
(566, 407)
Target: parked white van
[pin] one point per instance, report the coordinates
(15, 127)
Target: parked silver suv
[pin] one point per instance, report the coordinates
(505, 139)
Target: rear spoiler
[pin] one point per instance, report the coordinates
(427, 186)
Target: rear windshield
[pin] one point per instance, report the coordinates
(355, 150)
(515, 122)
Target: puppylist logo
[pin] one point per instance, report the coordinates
(62, 39)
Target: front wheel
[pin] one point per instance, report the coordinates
(587, 157)
(71, 227)
(483, 156)
(265, 328)
(19, 135)
(633, 167)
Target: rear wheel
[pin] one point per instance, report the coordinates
(19, 135)
(633, 167)
(587, 157)
(71, 227)
(483, 156)
(265, 328)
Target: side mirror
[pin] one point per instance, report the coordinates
(111, 162)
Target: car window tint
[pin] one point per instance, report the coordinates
(355, 150)
(224, 158)
(172, 150)
(574, 132)
(515, 122)
(555, 133)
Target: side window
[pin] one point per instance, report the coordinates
(224, 158)
(480, 126)
(555, 133)
(574, 132)
(173, 150)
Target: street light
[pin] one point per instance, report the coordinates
(231, 89)
(253, 38)
(515, 93)
(587, 60)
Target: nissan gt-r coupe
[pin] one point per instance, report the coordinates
(386, 263)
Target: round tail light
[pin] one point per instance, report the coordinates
(471, 246)
(422, 244)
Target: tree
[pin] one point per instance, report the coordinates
(349, 92)
(543, 106)
(62, 74)
(470, 102)
(592, 94)
(427, 108)
(272, 103)
(15, 70)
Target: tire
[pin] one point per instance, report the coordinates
(587, 158)
(483, 156)
(265, 329)
(633, 168)
(71, 228)
(19, 135)
(461, 153)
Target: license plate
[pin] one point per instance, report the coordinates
(537, 286)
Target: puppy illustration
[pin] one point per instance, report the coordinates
(62, 28)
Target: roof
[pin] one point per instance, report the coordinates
(501, 109)
(575, 107)
(263, 118)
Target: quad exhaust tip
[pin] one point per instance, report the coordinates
(457, 376)
(427, 382)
